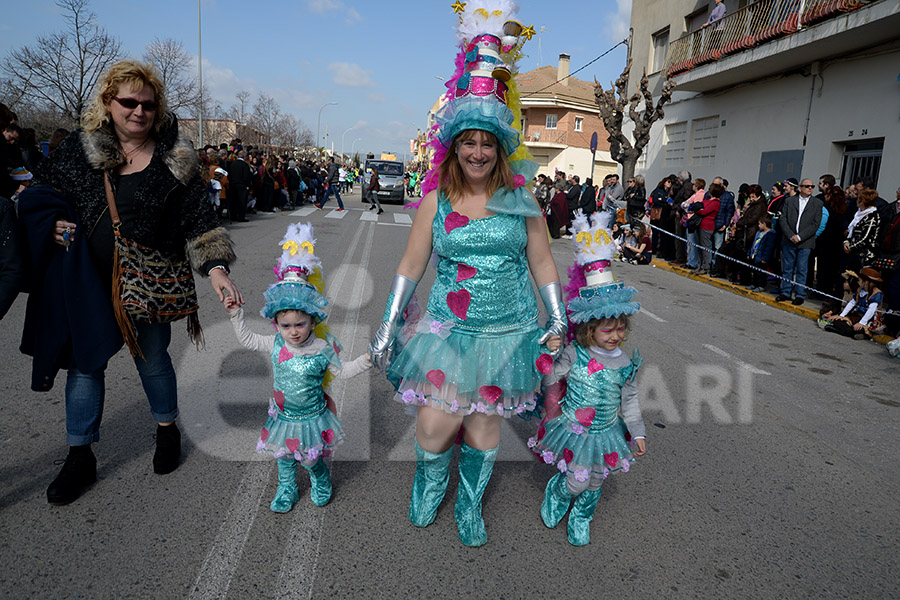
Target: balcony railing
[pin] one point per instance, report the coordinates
(750, 26)
(548, 136)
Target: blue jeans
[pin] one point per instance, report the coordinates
(794, 264)
(693, 251)
(333, 188)
(85, 391)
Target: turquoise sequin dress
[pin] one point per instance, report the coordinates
(589, 435)
(477, 343)
(299, 423)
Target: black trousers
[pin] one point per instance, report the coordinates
(237, 203)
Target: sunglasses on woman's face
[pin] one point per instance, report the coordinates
(131, 104)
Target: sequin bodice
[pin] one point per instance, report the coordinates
(482, 282)
(592, 385)
(299, 378)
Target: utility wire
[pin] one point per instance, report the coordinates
(625, 41)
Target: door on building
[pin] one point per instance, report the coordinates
(778, 166)
(862, 159)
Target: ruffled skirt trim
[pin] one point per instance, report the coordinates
(304, 440)
(577, 449)
(463, 374)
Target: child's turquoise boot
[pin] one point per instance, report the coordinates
(429, 485)
(557, 499)
(286, 496)
(319, 483)
(475, 469)
(579, 527)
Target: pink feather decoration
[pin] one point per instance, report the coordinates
(570, 290)
(430, 182)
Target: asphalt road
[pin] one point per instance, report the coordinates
(773, 468)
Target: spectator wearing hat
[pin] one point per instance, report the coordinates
(860, 316)
(22, 178)
(799, 222)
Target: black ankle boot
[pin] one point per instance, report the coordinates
(78, 472)
(168, 449)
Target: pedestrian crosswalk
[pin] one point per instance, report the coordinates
(400, 219)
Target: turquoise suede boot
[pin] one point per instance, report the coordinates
(579, 527)
(429, 485)
(475, 468)
(319, 483)
(557, 499)
(286, 496)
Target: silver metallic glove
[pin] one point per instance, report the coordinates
(382, 345)
(557, 324)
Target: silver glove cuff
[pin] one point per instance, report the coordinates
(402, 289)
(551, 295)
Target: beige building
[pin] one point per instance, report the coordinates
(776, 89)
(559, 115)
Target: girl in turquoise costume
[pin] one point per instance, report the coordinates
(583, 434)
(302, 426)
(474, 355)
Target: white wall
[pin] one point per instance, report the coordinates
(852, 95)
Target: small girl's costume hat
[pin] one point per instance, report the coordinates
(299, 275)
(593, 291)
(481, 94)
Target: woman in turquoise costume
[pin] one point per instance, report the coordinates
(474, 356)
(583, 434)
(302, 426)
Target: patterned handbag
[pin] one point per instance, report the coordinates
(887, 262)
(149, 286)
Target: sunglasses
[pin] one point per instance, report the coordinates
(131, 104)
(807, 186)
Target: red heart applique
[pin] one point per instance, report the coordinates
(458, 302)
(337, 349)
(585, 416)
(279, 399)
(284, 355)
(464, 271)
(490, 392)
(455, 220)
(541, 432)
(292, 444)
(611, 459)
(594, 366)
(328, 436)
(627, 436)
(568, 455)
(436, 377)
(264, 435)
(544, 364)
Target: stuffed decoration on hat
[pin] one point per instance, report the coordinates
(482, 94)
(593, 291)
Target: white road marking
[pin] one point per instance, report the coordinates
(644, 311)
(335, 214)
(396, 224)
(224, 556)
(304, 212)
(402, 219)
(369, 216)
(740, 363)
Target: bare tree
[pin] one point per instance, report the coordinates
(174, 64)
(612, 104)
(239, 110)
(61, 69)
(265, 117)
(292, 133)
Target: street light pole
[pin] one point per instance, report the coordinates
(319, 121)
(342, 137)
(200, 75)
(353, 146)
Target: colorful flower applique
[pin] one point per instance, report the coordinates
(582, 475)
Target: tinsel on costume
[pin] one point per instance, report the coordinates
(477, 18)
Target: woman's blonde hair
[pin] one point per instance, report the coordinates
(584, 333)
(452, 181)
(126, 72)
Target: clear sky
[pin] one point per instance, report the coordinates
(380, 61)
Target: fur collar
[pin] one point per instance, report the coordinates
(103, 151)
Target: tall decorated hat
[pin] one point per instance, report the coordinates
(482, 94)
(298, 273)
(593, 291)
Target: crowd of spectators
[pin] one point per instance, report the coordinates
(788, 240)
